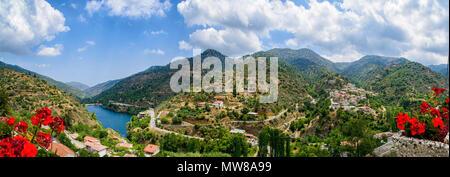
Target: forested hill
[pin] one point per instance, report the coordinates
(151, 87)
(78, 85)
(410, 80)
(28, 93)
(99, 88)
(442, 68)
(396, 78)
(316, 71)
(60, 85)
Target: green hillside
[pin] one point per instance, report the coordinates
(410, 80)
(99, 88)
(60, 85)
(28, 93)
(442, 68)
(151, 87)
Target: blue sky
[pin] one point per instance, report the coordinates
(98, 40)
(119, 49)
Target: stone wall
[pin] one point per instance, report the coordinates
(411, 147)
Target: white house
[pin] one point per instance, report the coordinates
(218, 104)
(93, 146)
(234, 131)
(151, 150)
(96, 148)
(144, 114)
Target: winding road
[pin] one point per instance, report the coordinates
(152, 123)
(153, 126)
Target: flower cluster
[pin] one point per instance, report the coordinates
(19, 145)
(432, 120)
(416, 127)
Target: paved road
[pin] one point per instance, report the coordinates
(152, 123)
(276, 117)
(153, 126)
(256, 121)
(76, 143)
(122, 104)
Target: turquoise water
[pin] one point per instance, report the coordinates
(110, 119)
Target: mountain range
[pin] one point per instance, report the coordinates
(28, 93)
(60, 85)
(395, 77)
(442, 68)
(78, 85)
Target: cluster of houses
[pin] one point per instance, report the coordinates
(146, 113)
(217, 104)
(93, 146)
(348, 98)
(250, 138)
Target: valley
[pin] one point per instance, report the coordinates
(319, 105)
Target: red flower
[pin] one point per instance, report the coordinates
(48, 120)
(447, 101)
(29, 150)
(61, 128)
(42, 116)
(44, 139)
(424, 107)
(438, 91)
(21, 126)
(11, 121)
(435, 112)
(444, 109)
(413, 121)
(417, 128)
(6, 149)
(17, 147)
(438, 122)
(35, 121)
(401, 120)
(57, 124)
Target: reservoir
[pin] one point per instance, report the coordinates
(110, 119)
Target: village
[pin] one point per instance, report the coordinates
(351, 98)
(161, 120)
(94, 146)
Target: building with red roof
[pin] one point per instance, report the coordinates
(61, 150)
(151, 150)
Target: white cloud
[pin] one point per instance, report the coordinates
(154, 51)
(27, 23)
(344, 30)
(154, 33)
(50, 51)
(183, 45)
(348, 54)
(43, 65)
(88, 44)
(232, 42)
(291, 43)
(1, 59)
(93, 6)
(73, 5)
(130, 8)
(82, 19)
